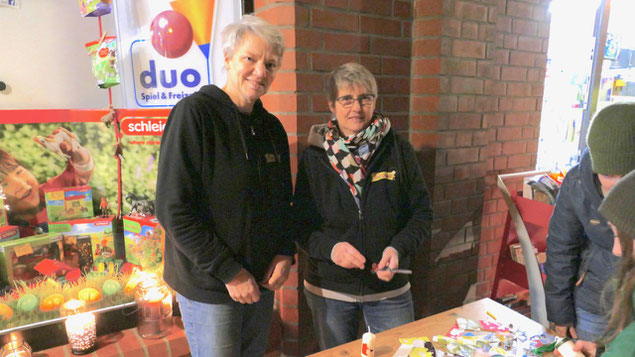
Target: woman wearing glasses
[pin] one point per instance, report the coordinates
(363, 209)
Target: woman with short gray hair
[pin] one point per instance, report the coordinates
(223, 198)
(363, 209)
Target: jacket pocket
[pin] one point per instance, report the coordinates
(587, 257)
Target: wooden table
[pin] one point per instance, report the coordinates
(387, 342)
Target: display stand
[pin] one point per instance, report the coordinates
(527, 223)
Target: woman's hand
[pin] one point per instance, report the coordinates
(346, 256)
(243, 288)
(389, 259)
(277, 273)
(586, 347)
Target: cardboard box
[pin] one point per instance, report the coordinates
(8, 233)
(79, 234)
(143, 241)
(516, 252)
(32, 258)
(78, 252)
(69, 203)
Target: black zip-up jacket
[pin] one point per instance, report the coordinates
(395, 211)
(579, 246)
(223, 194)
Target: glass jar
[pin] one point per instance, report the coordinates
(16, 348)
(81, 327)
(154, 308)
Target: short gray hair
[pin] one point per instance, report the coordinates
(349, 74)
(232, 35)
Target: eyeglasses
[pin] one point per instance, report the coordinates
(347, 100)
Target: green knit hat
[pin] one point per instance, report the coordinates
(611, 139)
(618, 208)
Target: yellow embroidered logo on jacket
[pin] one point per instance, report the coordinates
(384, 175)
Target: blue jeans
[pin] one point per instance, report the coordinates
(589, 326)
(227, 330)
(336, 322)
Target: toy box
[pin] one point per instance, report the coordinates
(88, 243)
(8, 233)
(143, 241)
(69, 203)
(32, 258)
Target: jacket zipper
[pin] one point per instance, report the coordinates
(258, 154)
(361, 233)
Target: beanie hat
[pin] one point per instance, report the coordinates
(611, 139)
(618, 208)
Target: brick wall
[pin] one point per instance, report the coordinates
(453, 46)
(462, 79)
(522, 31)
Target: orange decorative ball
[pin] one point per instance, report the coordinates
(5, 312)
(89, 295)
(52, 302)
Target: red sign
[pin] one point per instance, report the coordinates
(143, 126)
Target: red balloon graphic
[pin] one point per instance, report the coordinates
(171, 34)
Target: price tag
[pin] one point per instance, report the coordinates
(24, 249)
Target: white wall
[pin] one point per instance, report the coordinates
(42, 57)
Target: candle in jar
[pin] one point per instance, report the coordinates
(368, 344)
(152, 303)
(81, 331)
(16, 348)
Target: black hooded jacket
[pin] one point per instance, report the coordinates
(223, 194)
(395, 211)
(579, 248)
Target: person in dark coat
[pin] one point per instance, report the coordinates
(363, 209)
(579, 243)
(223, 197)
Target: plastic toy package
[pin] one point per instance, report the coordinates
(415, 347)
(469, 338)
(95, 8)
(103, 59)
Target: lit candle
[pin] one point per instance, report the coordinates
(16, 348)
(80, 327)
(82, 332)
(154, 302)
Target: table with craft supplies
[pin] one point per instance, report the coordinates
(483, 311)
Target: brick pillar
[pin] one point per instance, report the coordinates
(452, 55)
(513, 130)
(478, 74)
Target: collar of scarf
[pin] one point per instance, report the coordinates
(349, 156)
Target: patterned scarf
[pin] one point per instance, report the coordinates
(349, 156)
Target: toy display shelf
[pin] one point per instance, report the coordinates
(51, 333)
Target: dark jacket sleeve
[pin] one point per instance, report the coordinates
(182, 207)
(308, 221)
(564, 246)
(419, 226)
